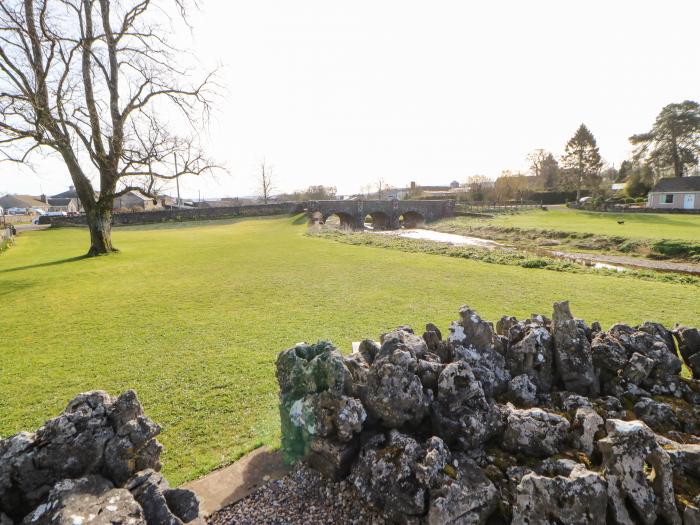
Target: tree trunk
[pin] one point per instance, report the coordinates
(99, 219)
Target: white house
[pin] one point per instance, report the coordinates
(675, 193)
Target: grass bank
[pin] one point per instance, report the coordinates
(636, 225)
(193, 315)
(507, 257)
(592, 232)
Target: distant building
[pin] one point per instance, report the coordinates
(26, 202)
(674, 193)
(71, 193)
(136, 201)
(617, 186)
(66, 204)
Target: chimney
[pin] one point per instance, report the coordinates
(413, 185)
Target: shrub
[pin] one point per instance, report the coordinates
(677, 249)
(535, 263)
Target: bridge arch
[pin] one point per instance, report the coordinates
(378, 220)
(411, 219)
(345, 220)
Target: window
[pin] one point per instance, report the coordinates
(667, 199)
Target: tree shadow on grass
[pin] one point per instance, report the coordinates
(45, 264)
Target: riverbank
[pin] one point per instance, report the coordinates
(499, 255)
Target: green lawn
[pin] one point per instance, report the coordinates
(637, 225)
(192, 316)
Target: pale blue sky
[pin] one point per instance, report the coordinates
(342, 93)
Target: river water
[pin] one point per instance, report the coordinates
(465, 240)
(448, 238)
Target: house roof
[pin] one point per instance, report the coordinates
(53, 201)
(673, 184)
(71, 193)
(137, 194)
(21, 201)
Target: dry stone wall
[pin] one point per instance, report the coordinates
(97, 462)
(538, 421)
(188, 214)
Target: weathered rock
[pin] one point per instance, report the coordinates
(693, 363)
(572, 352)
(688, 341)
(522, 391)
(659, 416)
(91, 499)
(428, 370)
(463, 496)
(691, 514)
(570, 402)
(472, 331)
(324, 414)
(578, 498)
(385, 475)
(685, 458)
(587, 423)
(534, 431)
(410, 341)
(95, 434)
(461, 412)
(660, 331)
(638, 368)
(630, 452)
(395, 394)
(432, 341)
(488, 366)
(652, 346)
(430, 327)
(331, 457)
(162, 505)
(609, 356)
(530, 351)
(609, 407)
(504, 324)
(308, 369)
(314, 381)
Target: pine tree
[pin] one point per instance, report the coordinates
(582, 160)
(674, 139)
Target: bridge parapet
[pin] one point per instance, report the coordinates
(385, 213)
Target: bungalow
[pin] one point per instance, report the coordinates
(68, 205)
(25, 202)
(136, 201)
(70, 194)
(675, 193)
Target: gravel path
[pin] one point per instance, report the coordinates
(303, 497)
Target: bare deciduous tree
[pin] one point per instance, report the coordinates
(94, 81)
(537, 159)
(266, 184)
(382, 187)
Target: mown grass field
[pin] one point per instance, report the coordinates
(636, 225)
(193, 315)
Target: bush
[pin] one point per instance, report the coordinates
(630, 246)
(535, 263)
(677, 249)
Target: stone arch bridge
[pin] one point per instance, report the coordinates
(385, 214)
